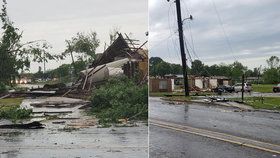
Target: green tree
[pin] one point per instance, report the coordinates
(273, 62)
(197, 68)
(249, 73)
(120, 98)
(153, 62)
(237, 70)
(256, 72)
(272, 73)
(176, 69)
(15, 55)
(271, 76)
(84, 46)
(163, 68)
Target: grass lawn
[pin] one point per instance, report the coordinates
(10, 101)
(9, 109)
(264, 88)
(270, 103)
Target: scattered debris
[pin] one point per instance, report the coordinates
(5, 96)
(32, 125)
(68, 129)
(58, 122)
(122, 57)
(218, 99)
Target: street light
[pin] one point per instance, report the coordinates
(191, 18)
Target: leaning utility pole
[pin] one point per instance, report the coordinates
(181, 39)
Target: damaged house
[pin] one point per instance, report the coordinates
(122, 57)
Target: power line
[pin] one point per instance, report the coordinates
(170, 28)
(161, 41)
(223, 28)
(187, 50)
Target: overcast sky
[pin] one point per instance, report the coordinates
(58, 20)
(221, 31)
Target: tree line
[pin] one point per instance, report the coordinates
(270, 74)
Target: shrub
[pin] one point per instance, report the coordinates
(14, 113)
(3, 88)
(120, 98)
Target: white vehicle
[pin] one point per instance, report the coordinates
(247, 87)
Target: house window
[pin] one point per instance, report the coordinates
(162, 84)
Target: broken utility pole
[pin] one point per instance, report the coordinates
(181, 39)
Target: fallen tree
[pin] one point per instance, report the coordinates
(120, 98)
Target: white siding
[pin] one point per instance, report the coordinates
(198, 83)
(213, 83)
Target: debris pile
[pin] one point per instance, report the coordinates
(122, 57)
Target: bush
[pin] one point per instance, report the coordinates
(3, 88)
(14, 113)
(120, 98)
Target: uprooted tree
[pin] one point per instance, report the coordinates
(16, 55)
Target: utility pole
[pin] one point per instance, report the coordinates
(181, 40)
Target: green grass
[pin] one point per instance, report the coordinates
(9, 109)
(264, 88)
(269, 103)
(10, 101)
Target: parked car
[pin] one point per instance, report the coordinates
(276, 88)
(224, 88)
(247, 87)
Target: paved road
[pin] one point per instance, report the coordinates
(169, 143)
(73, 135)
(87, 142)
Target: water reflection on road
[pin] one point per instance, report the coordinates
(255, 125)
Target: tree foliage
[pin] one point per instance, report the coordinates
(84, 45)
(197, 68)
(120, 98)
(16, 55)
(273, 62)
(158, 67)
(272, 73)
(64, 72)
(114, 34)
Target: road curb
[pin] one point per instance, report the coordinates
(260, 145)
(219, 104)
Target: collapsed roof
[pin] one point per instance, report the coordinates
(120, 48)
(116, 60)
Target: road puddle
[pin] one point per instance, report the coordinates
(69, 132)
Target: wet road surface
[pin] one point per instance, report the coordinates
(167, 143)
(85, 142)
(71, 135)
(254, 125)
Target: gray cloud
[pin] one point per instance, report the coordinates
(58, 20)
(252, 27)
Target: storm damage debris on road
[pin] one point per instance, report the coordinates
(32, 125)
